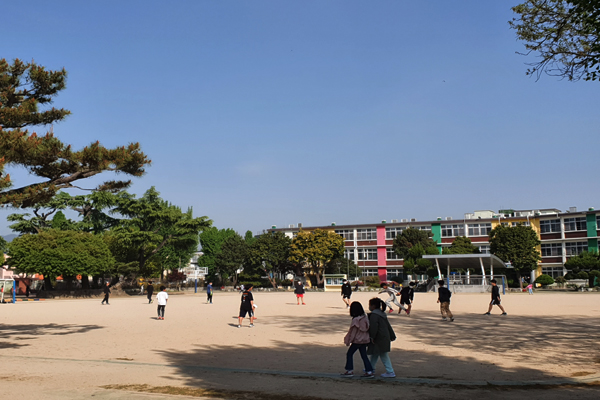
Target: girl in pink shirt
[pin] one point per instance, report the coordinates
(358, 338)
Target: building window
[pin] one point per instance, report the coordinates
(552, 250)
(391, 233)
(367, 254)
(575, 248)
(349, 254)
(550, 225)
(575, 224)
(513, 224)
(369, 272)
(391, 254)
(484, 249)
(479, 229)
(598, 221)
(453, 230)
(554, 272)
(347, 234)
(366, 234)
(422, 227)
(394, 272)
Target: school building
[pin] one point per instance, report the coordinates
(563, 234)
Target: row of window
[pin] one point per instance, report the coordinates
(370, 254)
(546, 226)
(571, 224)
(556, 249)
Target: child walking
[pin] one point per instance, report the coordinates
(393, 293)
(407, 297)
(382, 335)
(495, 298)
(530, 288)
(161, 298)
(444, 299)
(358, 338)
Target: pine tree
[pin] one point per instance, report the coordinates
(25, 88)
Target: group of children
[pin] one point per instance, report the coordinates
(372, 334)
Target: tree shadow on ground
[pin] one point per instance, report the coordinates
(287, 368)
(12, 336)
(530, 340)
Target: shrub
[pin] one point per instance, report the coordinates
(569, 276)
(583, 275)
(372, 281)
(560, 280)
(544, 280)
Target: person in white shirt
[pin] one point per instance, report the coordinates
(161, 298)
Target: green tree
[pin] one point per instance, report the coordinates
(42, 213)
(586, 261)
(564, 34)
(53, 253)
(211, 240)
(411, 245)
(270, 254)
(230, 260)
(461, 245)
(152, 224)
(24, 89)
(314, 250)
(544, 280)
(517, 245)
(3, 249)
(249, 238)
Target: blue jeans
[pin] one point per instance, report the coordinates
(385, 359)
(362, 348)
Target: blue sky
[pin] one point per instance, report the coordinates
(272, 113)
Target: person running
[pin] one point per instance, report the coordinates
(247, 307)
(149, 292)
(407, 295)
(106, 291)
(444, 300)
(393, 293)
(358, 338)
(495, 298)
(161, 298)
(530, 288)
(209, 293)
(382, 335)
(299, 290)
(346, 292)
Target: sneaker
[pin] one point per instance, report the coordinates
(487, 313)
(251, 326)
(504, 313)
(408, 313)
(452, 319)
(239, 326)
(368, 375)
(391, 311)
(347, 374)
(388, 375)
(444, 319)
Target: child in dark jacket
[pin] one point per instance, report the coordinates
(444, 299)
(358, 338)
(382, 336)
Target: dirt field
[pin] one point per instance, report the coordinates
(70, 349)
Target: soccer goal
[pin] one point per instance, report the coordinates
(7, 295)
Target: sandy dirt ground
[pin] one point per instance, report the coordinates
(72, 349)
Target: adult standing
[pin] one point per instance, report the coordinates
(106, 291)
(209, 293)
(247, 307)
(346, 292)
(299, 290)
(149, 292)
